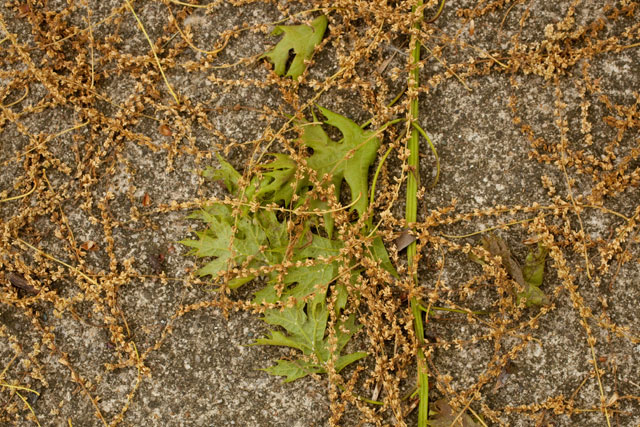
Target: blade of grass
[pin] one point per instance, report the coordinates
(21, 196)
(362, 399)
(375, 178)
(26, 402)
(438, 12)
(411, 216)
(19, 387)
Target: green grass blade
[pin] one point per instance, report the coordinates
(411, 216)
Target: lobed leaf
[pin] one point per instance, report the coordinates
(278, 182)
(305, 326)
(302, 39)
(254, 233)
(347, 160)
(226, 173)
(302, 281)
(293, 370)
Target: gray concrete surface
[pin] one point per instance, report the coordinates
(204, 374)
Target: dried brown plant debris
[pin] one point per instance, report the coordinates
(83, 96)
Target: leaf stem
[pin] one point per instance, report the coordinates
(375, 178)
(362, 399)
(437, 15)
(433, 150)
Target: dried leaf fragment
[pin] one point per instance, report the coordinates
(529, 277)
(165, 130)
(18, 281)
(404, 239)
(89, 245)
(445, 416)
(23, 10)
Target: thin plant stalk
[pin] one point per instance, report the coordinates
(411, 217)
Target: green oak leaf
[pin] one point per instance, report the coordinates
(259, 239)
(304, 280)
(293, 369)
(273, 184)
(226, 173)
(302, 39)
(348, 159)
(304, 324)
(305, 328)
(278, 180)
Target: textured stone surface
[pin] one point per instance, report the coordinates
(204, 373)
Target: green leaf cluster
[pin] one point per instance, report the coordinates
(248, 239)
